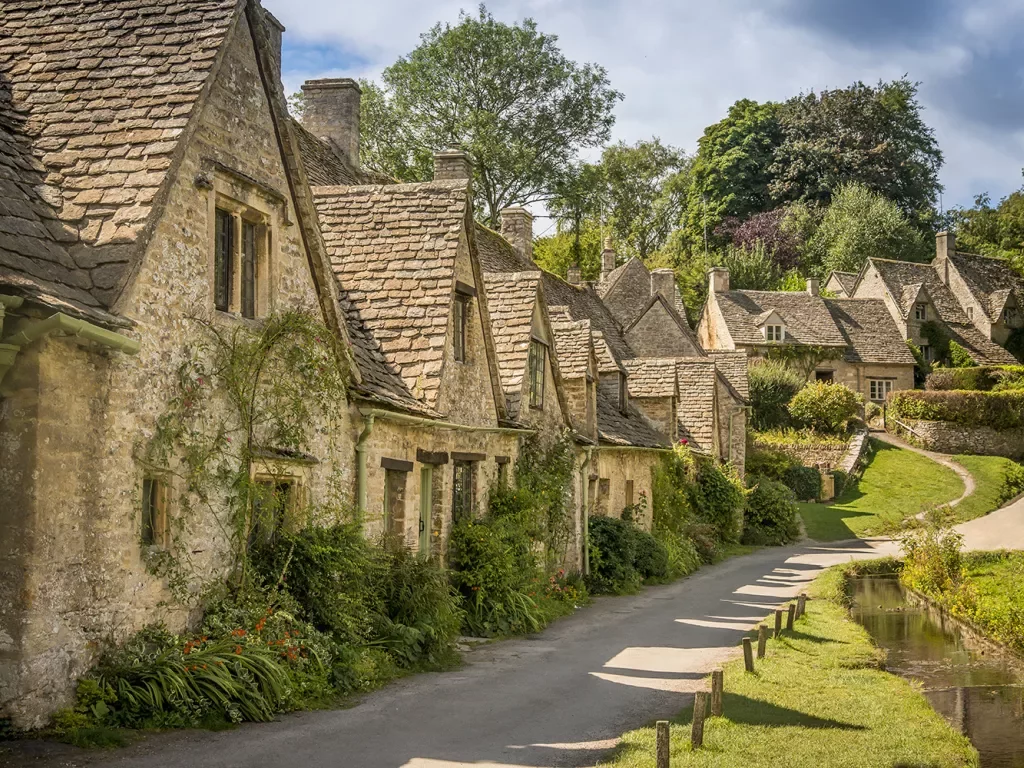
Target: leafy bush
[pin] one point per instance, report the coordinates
(716, 495)
(798, 438)
(770, 514)
(1013, 482)
(768, 463)
(805, 482)
(960, 357)
(982, 378)
(622, 556)
(932, 559)
(772, 385)
(998, 410)
(825, 407)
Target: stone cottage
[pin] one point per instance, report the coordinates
(975, 300)
(852, 341)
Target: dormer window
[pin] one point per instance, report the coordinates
(921, 312)
(1011, 317)
(460, 320)
(623, 395)
(774, 333)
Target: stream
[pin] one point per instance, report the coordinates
(979, 694)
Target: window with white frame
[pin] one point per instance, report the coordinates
(879, 389)
(920, 311)
(774, 333)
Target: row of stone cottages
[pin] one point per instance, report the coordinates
(150, 174)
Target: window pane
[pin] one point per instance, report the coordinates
(460, 328)
(249, 232)
(270, 503)
(394, 502)
(223, 260)
(149, 510)
(462, 491)
(536, 370)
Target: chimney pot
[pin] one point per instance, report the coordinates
(517, 227)
(607, 258)
(452, 164)
(718, 279)
(574, 275)
(813, 286)
(332, 111)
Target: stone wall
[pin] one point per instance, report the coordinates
(74, 416)
(660, 411)
(656, 334)
(947, 437)
(617, 466)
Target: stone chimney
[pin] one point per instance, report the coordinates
(332, 112)
(517, 227)
(573, 275)
(663, 281)
(607, 258)
(718, 279)
(813, 286)
(274, 30)
(945, 246)
(452, 164)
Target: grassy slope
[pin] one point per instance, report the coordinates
(818, 699)
(988, 476)
(897, 484)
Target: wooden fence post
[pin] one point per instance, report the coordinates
(748, 655)
(717, 686)
(790, 616)
(801, 604)
(699, 712)
(662, 749)
(762, 640)
(778, 622)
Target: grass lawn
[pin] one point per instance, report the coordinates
(817, 699)
(988, 474)
(897, 484)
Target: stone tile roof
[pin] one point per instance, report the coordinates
(573, 342)
(627, 291)
(733, 365)
(846, 279)
(606, 362)
(652, 377)
(806, 317)
(94, 94)
(990, 280)
(869, 330)
(630, 428)
(511, 298)
(898, 274)
(324, 166)
(696, 411)
(393, 250)
(981, 348)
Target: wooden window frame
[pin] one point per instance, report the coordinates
(460, 323)
(154, 518)
(463, 490)
(426, 508)
(223, 259)
(536, 368)
(623, 393)
(879, 386)
(629, 493)
(774, 333)
(920, 312)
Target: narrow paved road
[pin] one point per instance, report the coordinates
(559, 698)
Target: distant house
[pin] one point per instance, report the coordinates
(975, 300)
(841, 284)
(853, 341)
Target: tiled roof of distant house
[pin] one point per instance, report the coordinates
(511, 299)
(870, 333)
(652, 377)
(848, 280)
(806, 317)
(629, 428)
(991, 280)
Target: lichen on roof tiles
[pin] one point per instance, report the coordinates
(629, 428)
(652, 377)
(696, 411)
(511, 298)
(806, 318)
(869, 330)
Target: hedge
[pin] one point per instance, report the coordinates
(982, 378)
(998, 410)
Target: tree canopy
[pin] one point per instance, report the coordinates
(504, 93)
(992, 231)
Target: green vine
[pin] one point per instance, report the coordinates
(803, 358)
(246, 397)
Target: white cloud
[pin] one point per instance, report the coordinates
(681, 64)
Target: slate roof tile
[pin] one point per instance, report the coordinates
(733, 364)
(573, 342)
(869, 330)
(846, 279)
(897, 274)
(511, 298)
(630, 428)
(806, 317)
(990, 279)
(696, 411)
(652, 377)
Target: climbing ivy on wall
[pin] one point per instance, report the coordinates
(244, 395)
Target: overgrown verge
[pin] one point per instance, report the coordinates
(818, 698)
(1000, 410)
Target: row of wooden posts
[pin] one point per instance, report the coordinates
(700, 698)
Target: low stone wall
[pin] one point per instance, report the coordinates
(809, 455)
(947, 437)
(855, 451)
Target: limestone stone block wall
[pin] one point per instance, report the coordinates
(615, 468)
(946, 437)
(857, 375)
(660, 411)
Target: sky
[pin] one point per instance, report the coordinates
(681, 64)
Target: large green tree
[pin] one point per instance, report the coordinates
(874, 136)
(646, 185)
(731, 170)
(861, 223)
(577, 203)
(503, 92)
(992, 230)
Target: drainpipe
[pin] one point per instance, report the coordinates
(361, 483)
(586, 509)
(71, 326)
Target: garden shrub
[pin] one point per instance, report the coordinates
(716, 496)
(770, 513)
(998, 410)
(805, 482)
(651, 557)
(1013, 482)
(772, 385)
(623, 556)
(769, 463)
(960, 357)
(842, 480)
(932, 559)
(825, 407)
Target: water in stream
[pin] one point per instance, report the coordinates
(978, 693)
